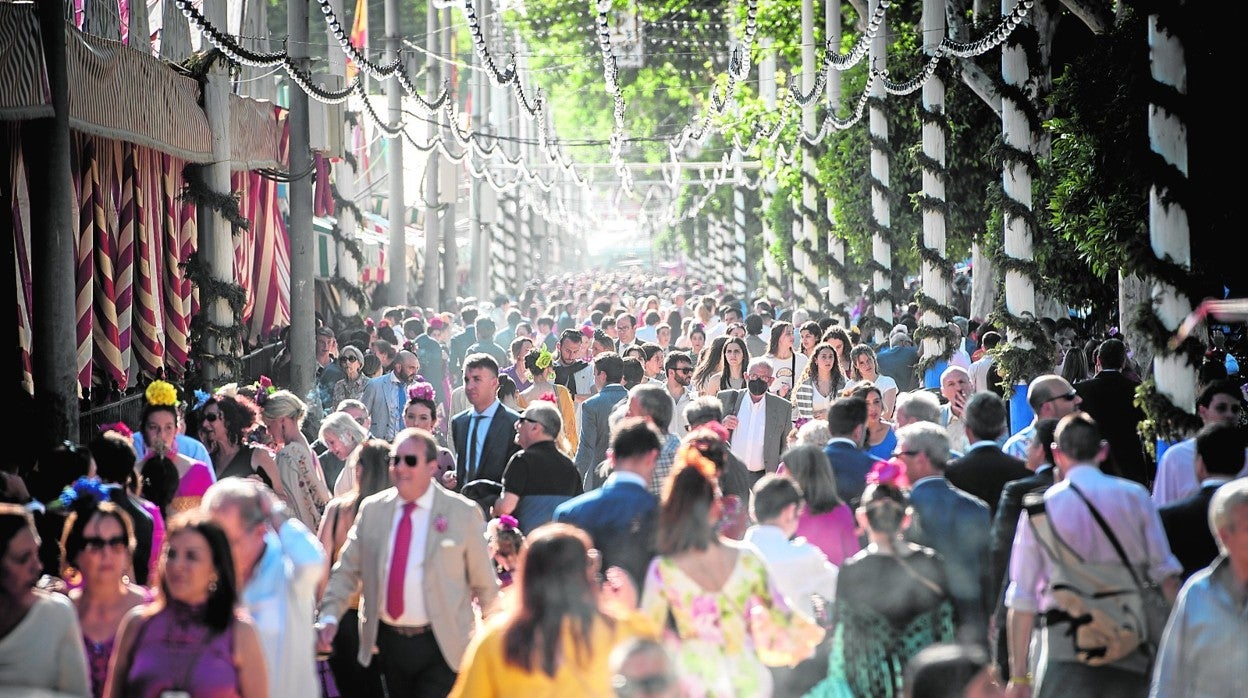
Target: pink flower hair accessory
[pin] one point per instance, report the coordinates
(370, 323)
(548, 397)
(718, 428)
(119, 427)
(506, 522)
(587, 331)
(800, 422)
(890, 472)
(420, 390)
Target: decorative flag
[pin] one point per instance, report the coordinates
(359, 35)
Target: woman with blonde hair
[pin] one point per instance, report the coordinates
(824, 521)
(540, 364)
(297, 466)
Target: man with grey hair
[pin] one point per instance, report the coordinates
(951, 522)
(651, 402)
(537, 478)
(899, 359)
(1208, 620)
(758, 420)
(916, 406)
(734, 479)
(278, 564)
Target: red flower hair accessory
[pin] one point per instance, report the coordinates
(369, 323)
(548, 397)
(587, 331)
(890, 472)
(436, 323)
(716, 427)
(119, 427)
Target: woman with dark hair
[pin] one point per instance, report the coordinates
(881, 437)
(819, 384)
(113, 454)
(98, 544)
(824, 520)
(786, 362)
(421, 412)
(193, 640)
(225, 420)
(709, 363)
(560, 625)
(733, 359)
(840, 340)
(867, 370)
(540, 364)
(370, 467)
(40, 640)
(697, 340)
(724, 620)
(892, 599)
(809, 335)
(54, 470)
(159, 427)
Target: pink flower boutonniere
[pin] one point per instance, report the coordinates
(439, 524)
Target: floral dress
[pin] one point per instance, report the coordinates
(303, 482)
(723, 641)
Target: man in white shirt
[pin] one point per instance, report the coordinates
(799, 569)
(1219, 402)
(1050, 397)
(278, 564)
(759, 421)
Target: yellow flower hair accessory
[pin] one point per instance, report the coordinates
(161, 393)
(544, 358)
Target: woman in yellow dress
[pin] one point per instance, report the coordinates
(561, 623)
(540, 364)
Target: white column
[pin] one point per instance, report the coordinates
(881, 250)
(936, 285)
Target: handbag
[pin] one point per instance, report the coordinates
(1156, 607)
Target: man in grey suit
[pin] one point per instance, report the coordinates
(759, 421)
(386, 395)
(417, 555)
(594, 431)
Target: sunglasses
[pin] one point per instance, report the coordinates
(1066, 396)
(686, 369)
(408, 460)
(212, 416)
(347, 358)
(97, 544)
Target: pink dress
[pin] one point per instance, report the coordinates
(158, 534)
(175, 650)
(192, 486)
(833, 532)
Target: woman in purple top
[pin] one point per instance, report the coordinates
(825, 521)
(97, 544)
(192, 641)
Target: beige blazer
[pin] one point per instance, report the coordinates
(457, 570)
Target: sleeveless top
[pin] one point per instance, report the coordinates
(174, 650)
(240, 466)
(100, 653)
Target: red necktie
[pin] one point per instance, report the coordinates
(398, 563)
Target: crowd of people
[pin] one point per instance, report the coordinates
(638, 487)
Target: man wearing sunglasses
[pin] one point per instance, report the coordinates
(1050, 397)
(419, 560)
(1221, 402)
(679, 370)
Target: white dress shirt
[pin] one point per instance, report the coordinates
(797, 568)
(414, 612)
(483, 419)
(747, 438)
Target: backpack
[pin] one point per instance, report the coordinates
(1104, 614)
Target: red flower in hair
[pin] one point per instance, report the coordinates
(587, 331)
(717, 428)
(369, 323)
(119, 427)
(548, 397)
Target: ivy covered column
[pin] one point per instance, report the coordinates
(767, 91)
(937, 270)
(838, 294)
(1174, 369)
(806, 284)
(881, 196)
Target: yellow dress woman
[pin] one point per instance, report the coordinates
(540, 365)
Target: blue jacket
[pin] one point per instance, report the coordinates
(620, 517)
(850, 467)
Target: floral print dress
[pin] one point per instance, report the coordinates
(303, 482)
(724, 640)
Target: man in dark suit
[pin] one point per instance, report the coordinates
(620, 516)
(951, 522)
(985, 469)
(847, 423)
(484, 434)
(1219, 459)
(1109, 398)
(758, 420)
(1005, 523)
(899, 359)
(419, 613)
(114, 459)
(595, 432)
(460, 342)
(435, 362)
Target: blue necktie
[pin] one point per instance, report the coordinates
(470, 470)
